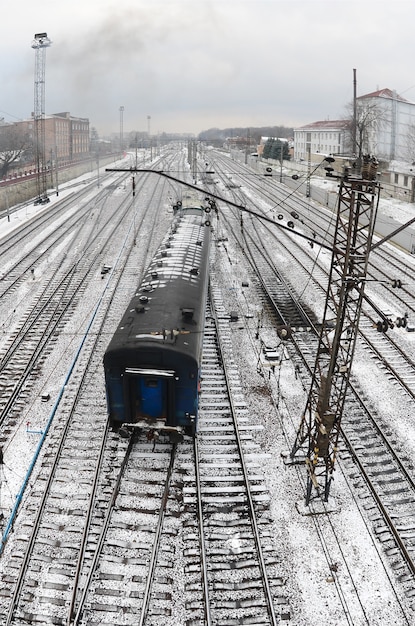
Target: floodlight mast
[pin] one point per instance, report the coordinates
(318, 433)
(39, 44)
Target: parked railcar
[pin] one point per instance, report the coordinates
(152, 364)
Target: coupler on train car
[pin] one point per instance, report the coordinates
(152, 430)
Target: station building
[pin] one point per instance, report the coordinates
(390, 136)
(320, 138)
(66, 137)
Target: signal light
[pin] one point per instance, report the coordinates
(382, 326)
(284, 332)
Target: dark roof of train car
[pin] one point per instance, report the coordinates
(169, 306)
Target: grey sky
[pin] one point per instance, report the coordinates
(196, 64)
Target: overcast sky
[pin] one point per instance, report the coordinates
(196, 64)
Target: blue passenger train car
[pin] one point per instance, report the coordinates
(152, 364)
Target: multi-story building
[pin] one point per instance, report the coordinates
(79, 136)
(66, 137)
(391, 125)
(319, 139)
(386, 129)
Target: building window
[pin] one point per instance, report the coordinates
(396, 179)
(405, 181)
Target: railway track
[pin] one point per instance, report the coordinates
(38, 329)
(242, 578)
(77, 468)
(68, 484)
(350, 597)
(389, 350)
(41, 327)
(131, 564)
(40, 236)
(128, 577)
(135, 497)
(386, 472)
(51, 530)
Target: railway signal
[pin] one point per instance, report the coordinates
(382, 326)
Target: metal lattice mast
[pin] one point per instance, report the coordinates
(40, 43)
(319, 429)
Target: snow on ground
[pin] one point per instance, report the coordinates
(19, 214)
(27, 437)
(314, 587)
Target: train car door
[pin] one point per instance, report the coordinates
(149, 394)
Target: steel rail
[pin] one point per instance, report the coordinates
(251, 507)
(156, 544)
(75, 617)
(205, 585)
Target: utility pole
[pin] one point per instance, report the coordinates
(39, 44)
(318, 434)
(57, 170)
(354, 127)
(148, 133)
(121, 130)
(308, 184)
(194, 161)
(248, 145)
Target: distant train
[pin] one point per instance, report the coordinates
(152, 364)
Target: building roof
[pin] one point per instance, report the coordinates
(384, 93)
(326, 125)
(265, 139)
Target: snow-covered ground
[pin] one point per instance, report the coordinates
(318, 578)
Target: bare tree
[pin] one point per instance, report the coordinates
(15, 142)
(370, 119)
(410, 144)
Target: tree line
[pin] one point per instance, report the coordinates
(217, 135)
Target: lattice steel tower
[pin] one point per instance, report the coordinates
(40, 43)
(319, 430)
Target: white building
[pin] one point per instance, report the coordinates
(393, 129)
(320, 139)
(389, 131)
